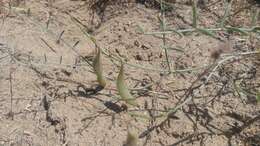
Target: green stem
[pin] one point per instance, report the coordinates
(164, 36)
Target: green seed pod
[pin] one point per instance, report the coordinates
(97, 65)
(122, 88)
(131, 139)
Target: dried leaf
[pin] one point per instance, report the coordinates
(122, 88)
(97, 65)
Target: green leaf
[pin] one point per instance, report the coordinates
(162, 22)
(98, 69)
(235, 29)
(194, 14)
(254, 17)
(122, 88)
(176, 31)
(255, 29)
(207, 32)
(226, 14)
(258, 96)
(90, 37)
(140, 29)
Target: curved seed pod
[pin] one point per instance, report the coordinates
(122, 89)
(131, 139)
(97, 65)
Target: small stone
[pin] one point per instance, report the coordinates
(138, 57)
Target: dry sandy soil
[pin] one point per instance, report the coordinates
(47, 88)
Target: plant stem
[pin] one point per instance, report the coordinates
(163, 27)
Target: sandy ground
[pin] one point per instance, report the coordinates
(46, 85)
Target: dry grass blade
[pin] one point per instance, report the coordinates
(97, 65)
(144, 117)
(131, 139)
(122, 88)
